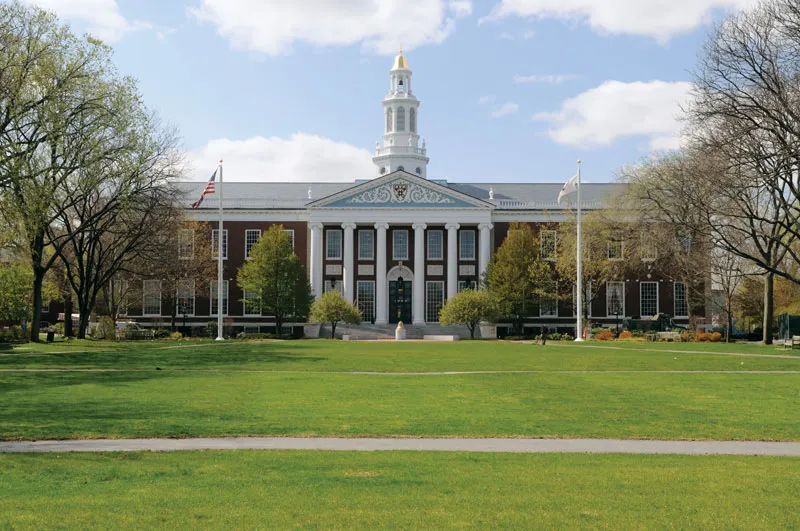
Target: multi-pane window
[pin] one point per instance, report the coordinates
(616, 247)
(389, 120)
(648, 298)
(681, 303)
(683, 243)
(365, 299)
(615, 299)
(215, 244)
(151, 297)
(251, 237)
(412, 118)
(290, 233)
(214, 300)
(649, 252)
(467, 284)
(435, 245)
(401, 119)
(547, 244)
(333, 285)
(120, 288)
(185, 297)
(186, 244)
(334, 244)
(587, 290)
(251, 303)
(434, 300)
(548, 304)
(366, 245)
(466, 247)
(400, 245)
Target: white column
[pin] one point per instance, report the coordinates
(418, 309)
(348, 277)
(381, 290)
(452, 259)
(485, 249)
(316, 259)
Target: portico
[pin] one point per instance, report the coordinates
(400, 261)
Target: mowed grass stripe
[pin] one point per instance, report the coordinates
(395, 490)
(326, 356)
(176, 404)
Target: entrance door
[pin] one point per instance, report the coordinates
(400, 301)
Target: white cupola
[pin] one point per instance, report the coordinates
(401, 148)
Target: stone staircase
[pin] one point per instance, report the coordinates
(367, 331)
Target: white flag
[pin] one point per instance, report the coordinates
(569, 188)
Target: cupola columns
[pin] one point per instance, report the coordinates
(401, 141)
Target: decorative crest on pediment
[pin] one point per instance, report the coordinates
(401, 191)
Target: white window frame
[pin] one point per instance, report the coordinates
(675, 300)
(182, 244)
(641, 293)
(395, 255)
(543, 244)
(291, 236)
(616, 239)
(461, 254)
(467, 284)
(328, 233)
(248, 245)
(428, 301)
(193, 297)
(362, 247)
(554, 287)
(145, 293)
(246, 311)
(215, 244)
(428, 246)
(365, 307)
(609, 312)
(226, 299)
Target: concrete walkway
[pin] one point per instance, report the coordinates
(600, 446)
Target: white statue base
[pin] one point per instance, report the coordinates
(400, 332)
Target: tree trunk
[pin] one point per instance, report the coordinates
(333, 330)
(471, 331)
(83, 322)
(68, 332)
(769, 308)
(730, 326)
(38, 279)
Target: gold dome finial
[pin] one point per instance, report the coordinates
(400, 62)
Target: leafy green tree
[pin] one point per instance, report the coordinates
(276, 278)
(469, 307)
(16, 281)
(517, 276)
(333, 308)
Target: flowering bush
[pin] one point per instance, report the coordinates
(605, 335)
(626, 335)
(715, 337)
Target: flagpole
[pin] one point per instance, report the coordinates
(220, 250)
(579, 256)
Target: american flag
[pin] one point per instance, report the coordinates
(209, 189)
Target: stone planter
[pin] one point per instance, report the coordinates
(488, 331)
(400, 333)
(311, 330)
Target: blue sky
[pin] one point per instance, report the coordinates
(511, 90)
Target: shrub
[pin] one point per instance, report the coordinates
(161, 333)
(333, 308)
(554, 337)
(715, 337)
(700, 337)
(105, 328)
(604, 335)
(176, 335)
(567, 337)
(626, 335)
(12, 334)
(59, 328)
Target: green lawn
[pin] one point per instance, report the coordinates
(325, 355)
(391, 490)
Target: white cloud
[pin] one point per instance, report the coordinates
(101, 17)
(486, 99)
(615, 110)
(506, 109)
(660, 19)
(550, 79)
(272, 26)
(300, 158)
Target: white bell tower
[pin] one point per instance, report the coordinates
(401, 148)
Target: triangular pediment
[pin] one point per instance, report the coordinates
(400, 190)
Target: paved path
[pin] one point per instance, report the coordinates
(601, 446)
(673, 351)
